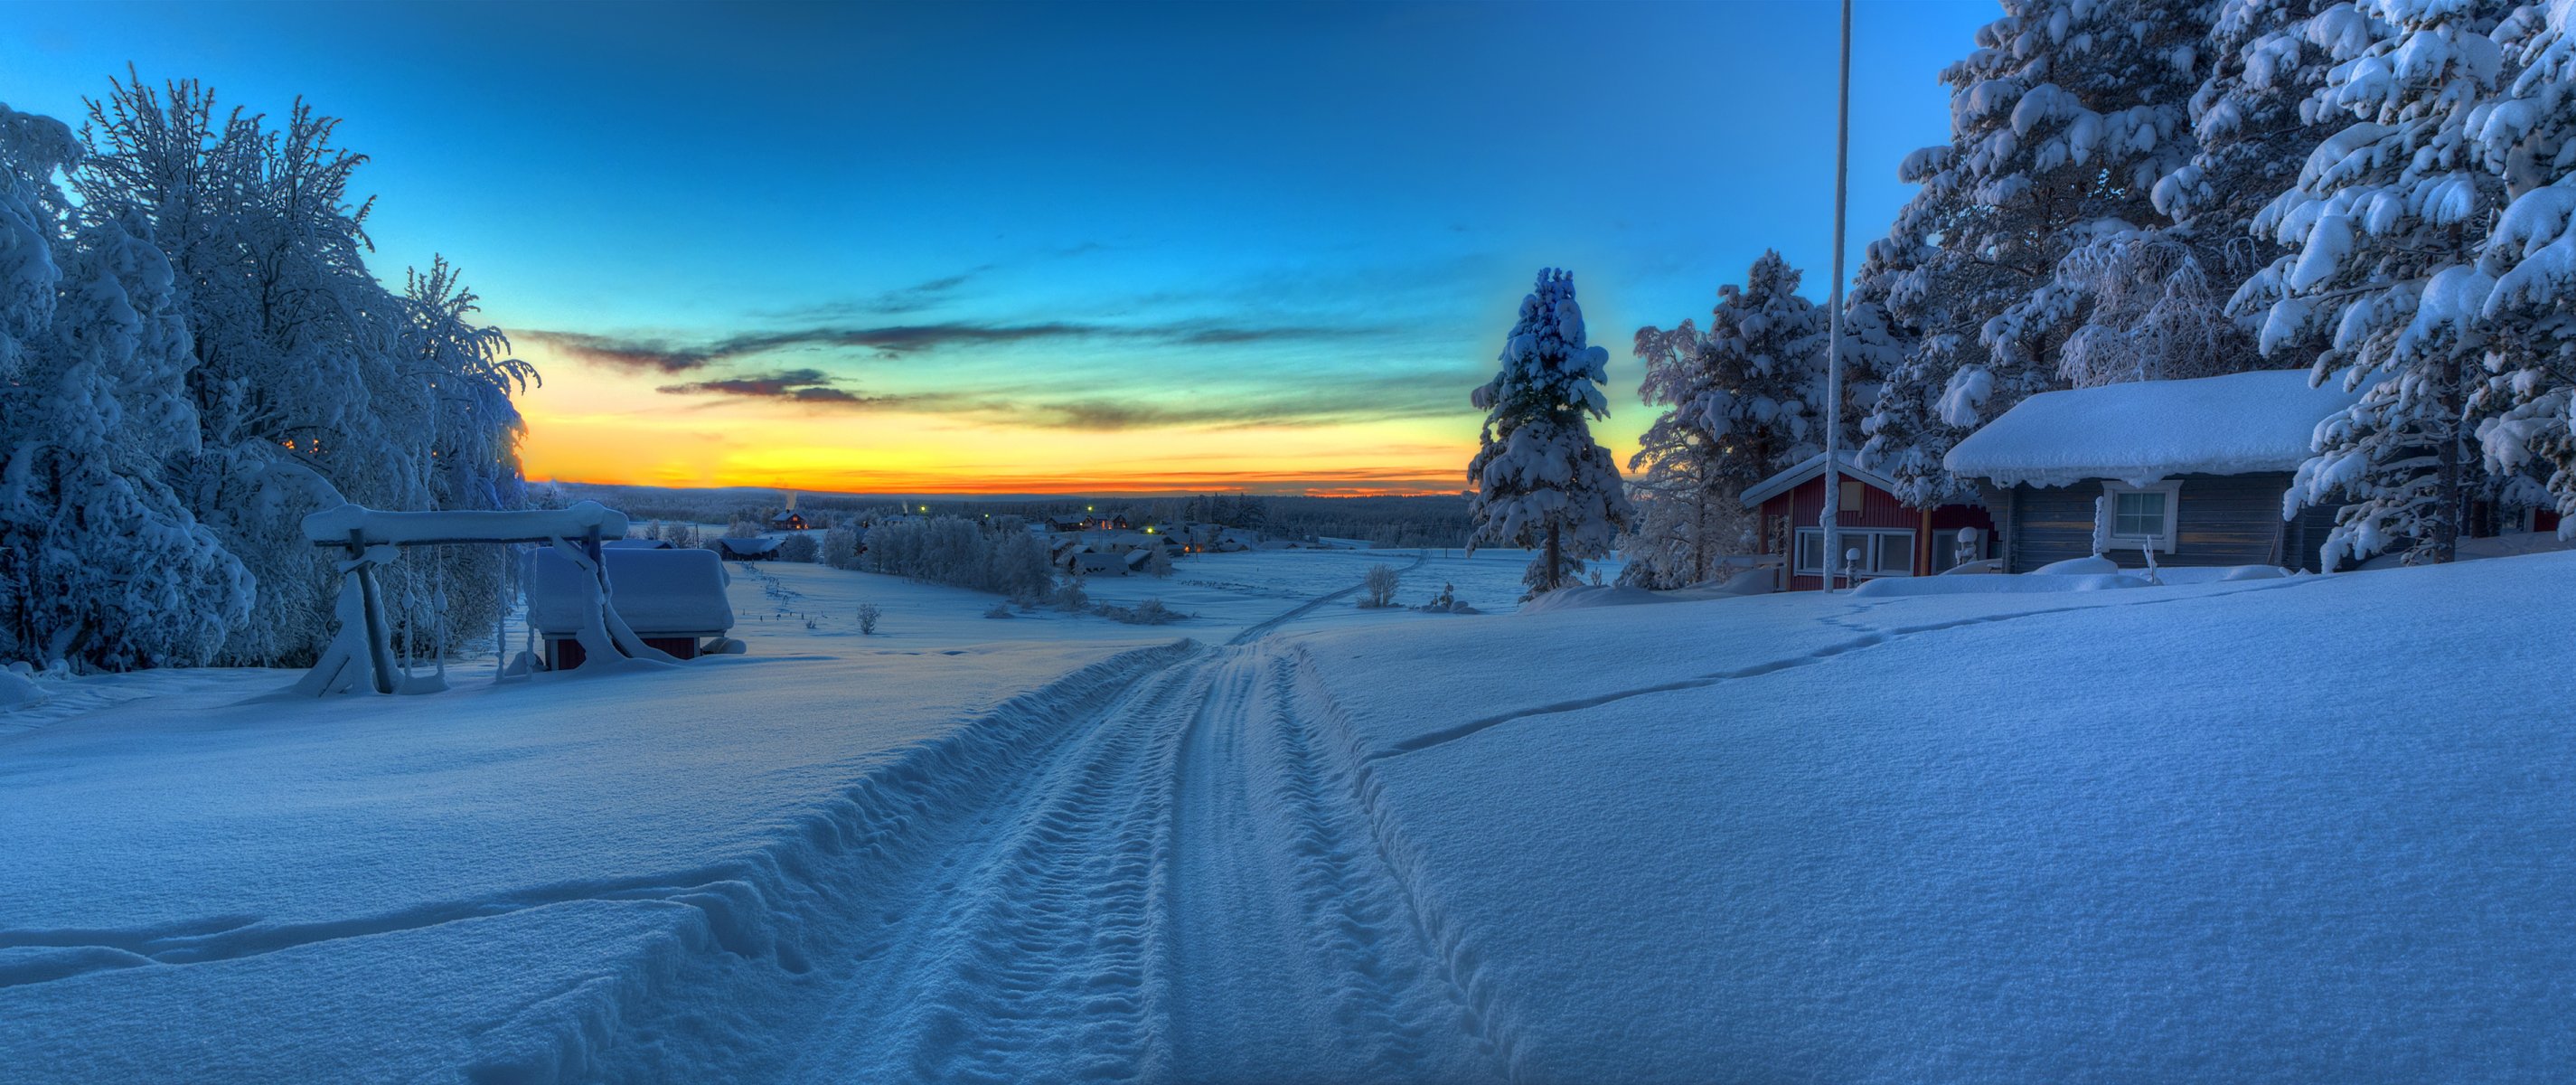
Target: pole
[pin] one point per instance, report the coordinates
(1831, 521)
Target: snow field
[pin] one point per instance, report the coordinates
(2197, 831)
(2204, 832)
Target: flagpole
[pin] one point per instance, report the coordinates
(1831, 521)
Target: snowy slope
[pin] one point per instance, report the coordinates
(2216, 832)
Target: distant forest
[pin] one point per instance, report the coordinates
(1434, 521)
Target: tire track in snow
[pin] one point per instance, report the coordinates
(1869, 638)
(1290, 954)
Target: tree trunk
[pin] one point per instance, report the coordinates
(2446, 523)
(1555, 560)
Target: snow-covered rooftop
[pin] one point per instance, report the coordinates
(1808, 468)
(2138, 433)
(656, 591)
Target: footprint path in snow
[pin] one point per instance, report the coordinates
(1866, 637)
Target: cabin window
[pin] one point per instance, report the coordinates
(1849, 494)
(2140, 515)
(1883, 551)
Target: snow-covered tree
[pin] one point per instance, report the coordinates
(101, 564)
(1540, 479)
(2527, 405)
(2062, 121)
(310, 381)
(1743, 400)
(2388, 218)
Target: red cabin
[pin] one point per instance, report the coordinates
(1892, 538)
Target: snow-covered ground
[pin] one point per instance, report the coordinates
(2240, 830)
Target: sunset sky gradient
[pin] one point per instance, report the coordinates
(1066, 248)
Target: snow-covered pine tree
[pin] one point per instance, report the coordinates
(2527, 405)
(1540, 479)
(2387, 219)
(105, 567)
(2062, 120)
(1744, 400)
(2254, 120)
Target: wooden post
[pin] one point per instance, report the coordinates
(1923, 557)
(380, 649)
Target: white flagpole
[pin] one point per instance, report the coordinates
(1832, 519)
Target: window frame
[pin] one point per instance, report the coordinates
(1871, 553)
(2108, 518)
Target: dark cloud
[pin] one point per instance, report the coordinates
(796, 385)
(659, 355)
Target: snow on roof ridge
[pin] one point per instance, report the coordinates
(2241, 423)
(1798, 473)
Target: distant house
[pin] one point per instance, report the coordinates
(756, 548)
(673, 599)
(1082, 562)
(1893, 538)
(790, 520)
(2196, 470)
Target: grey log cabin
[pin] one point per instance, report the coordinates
(2198, 470)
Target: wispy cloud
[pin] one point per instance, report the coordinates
(656, 354)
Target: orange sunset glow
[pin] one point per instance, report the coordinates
(591, 423)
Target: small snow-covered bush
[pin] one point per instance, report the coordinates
(1149, 612)
(1379, 586)
(1070, 597)
(868, 615)
(799, 548)
(1000, 610)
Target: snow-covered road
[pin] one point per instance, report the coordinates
(1166, 882)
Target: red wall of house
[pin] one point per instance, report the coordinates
(1805, 506)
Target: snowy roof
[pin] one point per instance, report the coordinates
(1812, 467)
(758, 546)
(656, 591)
(2138, 433)
(378, 526)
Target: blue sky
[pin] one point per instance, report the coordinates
(1017, 226)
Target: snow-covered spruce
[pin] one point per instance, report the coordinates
(1540, 479)
(2527, 404)
(2386, 221)
(1742, 400)
(2062, 121)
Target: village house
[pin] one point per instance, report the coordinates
(756, 548)
(787, 520)
(1892, 538)
(2195, 470)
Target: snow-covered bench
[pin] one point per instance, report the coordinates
(362, 654)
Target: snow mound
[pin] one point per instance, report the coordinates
(2500, 546)
(2073, 566)
(2138, 433)
(2216, 574)
(18, 689)
(1588, 596)
(2027, 584)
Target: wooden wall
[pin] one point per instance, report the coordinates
(2222, 520)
